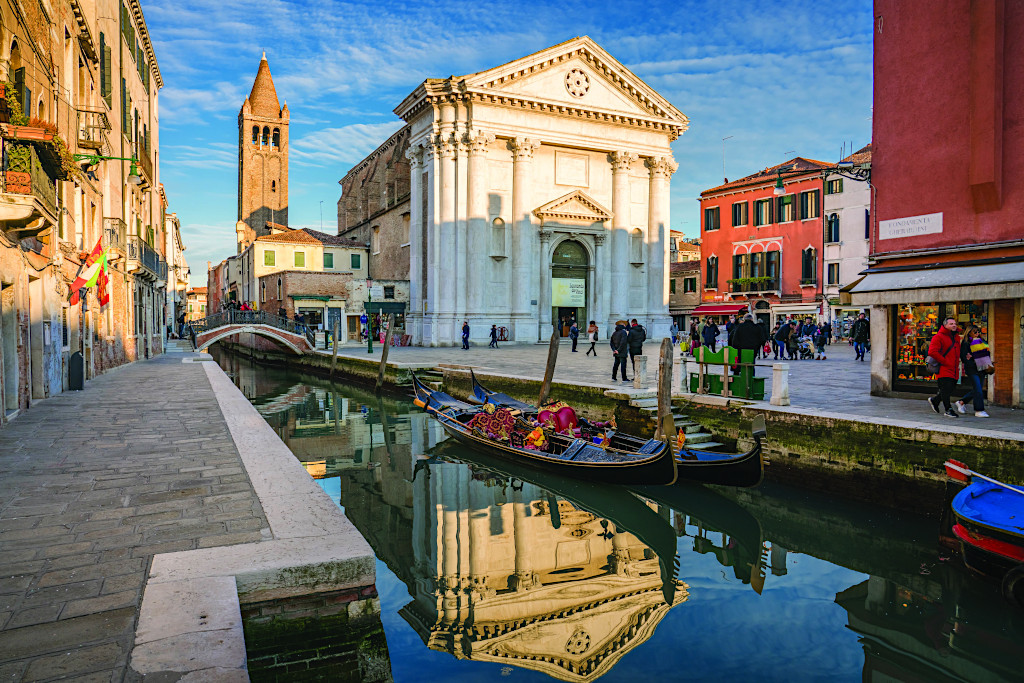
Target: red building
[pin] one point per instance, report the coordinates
(761, 250)
(949, 171)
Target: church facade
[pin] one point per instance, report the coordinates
(539, 192)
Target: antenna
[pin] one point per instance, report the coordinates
(725, 179)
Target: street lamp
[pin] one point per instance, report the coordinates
(779, 189)
(369, 320)
(133, 172)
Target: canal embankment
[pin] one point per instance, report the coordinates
(146, 518)
(884, 450)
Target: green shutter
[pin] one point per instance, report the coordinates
(355, 261)
(328, 260)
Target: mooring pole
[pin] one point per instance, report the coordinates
(549, 371)
(334, 356)
(390, 322)
(665, 392)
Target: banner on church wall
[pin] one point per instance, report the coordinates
(568, 292)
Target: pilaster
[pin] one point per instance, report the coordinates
(524, 282)
(416, 271)
(661, 170)
(621, 162)
(477, 227)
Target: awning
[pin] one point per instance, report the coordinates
(718, 309)
(925, 285)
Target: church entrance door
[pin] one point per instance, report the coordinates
(569, 286)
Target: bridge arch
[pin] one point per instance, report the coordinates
(210, 337)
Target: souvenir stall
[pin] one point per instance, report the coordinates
(915, 324)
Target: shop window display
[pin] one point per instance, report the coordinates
(915, 326)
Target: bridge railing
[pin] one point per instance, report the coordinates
(236, 317)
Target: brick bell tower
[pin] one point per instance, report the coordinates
(262, 159)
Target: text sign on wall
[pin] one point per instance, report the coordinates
(910, 227)
(377, 292)
(568, 292)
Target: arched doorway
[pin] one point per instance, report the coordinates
(569, 270)
(762, 313)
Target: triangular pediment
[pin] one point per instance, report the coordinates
(578, 73)
(575, 206)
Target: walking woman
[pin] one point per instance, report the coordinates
(972, 342)
(592, 338)
(694, 337)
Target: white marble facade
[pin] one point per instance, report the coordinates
(509, 163)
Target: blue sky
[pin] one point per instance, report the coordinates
(782, 78)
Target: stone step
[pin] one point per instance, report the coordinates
(644, 403)
(690, 427)
(698, 437)
(702, 446)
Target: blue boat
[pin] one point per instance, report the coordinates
(989, 523)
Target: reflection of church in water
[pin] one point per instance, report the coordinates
(506, 572)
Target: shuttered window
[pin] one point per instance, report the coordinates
(106, 87)
(809, 204)
(328, 260)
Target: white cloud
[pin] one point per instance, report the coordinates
(343, 145)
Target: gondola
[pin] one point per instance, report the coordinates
(616, 504)
(988, 520)
(649, 462)
(727, 469)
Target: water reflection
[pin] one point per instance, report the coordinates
(499, 568)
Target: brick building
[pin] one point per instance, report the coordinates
(262, 159)
(683, 291)
(947, 239)
(195, 304)
(761, 250)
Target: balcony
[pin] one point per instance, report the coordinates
(146, 165)
(92, 127)
(144, 260)
(754, 285)
(809, 282)
(28, 204)
(115, 234)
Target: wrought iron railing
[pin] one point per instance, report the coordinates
(753, 287)
(24, 174)
(92, 124)
(146, 164)
(114, 233)
(235, 317)
(145, 255)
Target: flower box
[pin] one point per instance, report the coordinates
(29, 133)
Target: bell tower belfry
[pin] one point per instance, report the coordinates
(262, 159)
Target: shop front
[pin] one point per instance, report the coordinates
(797, 310)
(914, 325)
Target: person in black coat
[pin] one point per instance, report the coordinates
(620, 350)
(637, 337)
(861, 334)
(710, 334)
(747, 335)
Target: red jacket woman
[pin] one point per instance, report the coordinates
(945, 348)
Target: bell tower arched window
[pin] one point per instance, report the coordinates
(275, 142)
(266, 137)
(255, 135)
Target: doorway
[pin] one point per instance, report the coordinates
(569, 287)
(8, 348)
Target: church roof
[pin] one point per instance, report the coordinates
(263, 97)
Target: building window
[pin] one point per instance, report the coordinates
(711, 282)
(808, 269)
(354, 262)
(772, 264)
(833, 273)
(672, 286)
(867, 224)
(256, 135)
(809, 204)
(834, 186)
(712, 219)
(190, 308)
(498, 238)
(689, 285)
(202, 308)
(375, 240)
(275, 141)
(787, 212)
(636, 246)
(389, 291)
(273, 186)
(739, 214)
(265, 141)
(328, 260)
(762, 212)
(832, 228)
(269, 257)
(300, 259)
(279, 301)
(263, 292)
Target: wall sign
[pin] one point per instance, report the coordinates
(911, 226)
(568, 292)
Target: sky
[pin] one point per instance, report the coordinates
(779, 79)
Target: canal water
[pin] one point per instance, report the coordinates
(486, 571)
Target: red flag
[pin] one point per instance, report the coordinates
(101, 281)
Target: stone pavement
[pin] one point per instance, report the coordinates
(837, 385)
(92, 485)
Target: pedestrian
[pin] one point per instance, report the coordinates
(465, 335)
(637, 337)
(944, 352)
(620, 350)
(819, 343)
(792, 341)
(861, 334)
(730, 325)
(494, 337)
(281, 313)
(746, 335)
(674, 331)
(710, 335)
(828, 332)
(777, 341)
(763, 329)
(574, 335)
(809, 328)
(592, 338)
(694, 337)
(181, 325)
(972, 372)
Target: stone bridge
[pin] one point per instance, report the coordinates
(286, 333)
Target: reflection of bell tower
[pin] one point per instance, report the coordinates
(262, 159)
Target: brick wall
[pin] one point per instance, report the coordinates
(1001, 324)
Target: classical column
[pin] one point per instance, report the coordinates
(431, 290)
(661, 169)
(544, 261)
(479, 537)
(621, 162)
(602, 283)
(524, 576)
(523, 282)
(415, 156)
(450, 538)
(477, 228)
(460, 141)
(446, 243)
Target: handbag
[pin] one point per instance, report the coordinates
(990, 370)
(932, 365)
(767, 348)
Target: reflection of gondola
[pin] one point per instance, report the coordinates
(714, 512)
(727, 469)
(650, 462)
(613, 503)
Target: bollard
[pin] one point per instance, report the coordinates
(639, 372)
(679, 375)
(780, 384)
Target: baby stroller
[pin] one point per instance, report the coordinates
(806, 347)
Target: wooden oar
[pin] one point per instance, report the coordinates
(959, 471)
(549, 371)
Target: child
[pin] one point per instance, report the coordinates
(820, 337)
(980, 353)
